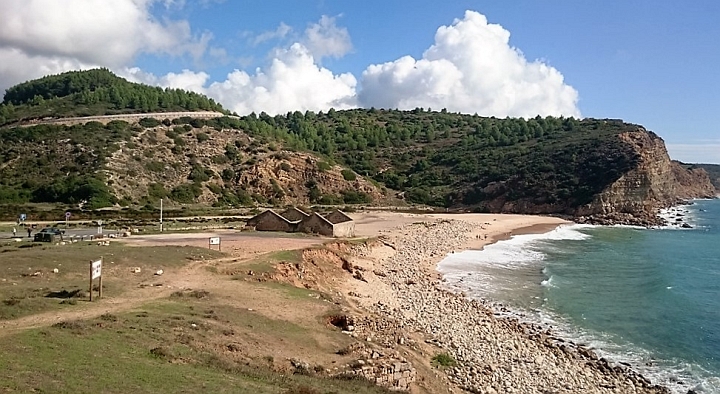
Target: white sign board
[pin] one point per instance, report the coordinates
(215, 241)
(96, 269)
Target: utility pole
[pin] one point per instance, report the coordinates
(161, 224)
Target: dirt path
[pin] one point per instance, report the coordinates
(191, 276)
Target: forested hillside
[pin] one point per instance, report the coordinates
(185, 161)
(446, 159)
(94, 92)
(539, 165)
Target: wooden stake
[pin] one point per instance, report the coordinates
(101, 263)
(91, 263)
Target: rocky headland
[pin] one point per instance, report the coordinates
(655, 182)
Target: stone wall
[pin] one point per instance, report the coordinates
(391, 373)
(344, 230)
(130, 118)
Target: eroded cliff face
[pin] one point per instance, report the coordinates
(655, 182)
(291, 176)
(268, 175)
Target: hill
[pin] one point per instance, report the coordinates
(602, 170)
(187, 162)
(713, 171)
(605, 170)
(92, 93)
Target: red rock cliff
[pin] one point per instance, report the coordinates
(655, 182)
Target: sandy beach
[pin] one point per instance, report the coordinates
(495, 354)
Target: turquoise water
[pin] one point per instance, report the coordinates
(648, 297)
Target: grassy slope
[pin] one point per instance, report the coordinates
(238, 339)
(23, 294)
(157, 350)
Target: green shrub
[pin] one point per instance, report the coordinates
(186, 193)
(215, 188)
(202, 137)
(200, 173)
(231, 152)
(330, 199)
(285, 166)
(349, 175)
(323, 166)
(443, 360)
(155, 166)
(228, 174)
(355, 197)
(277, 189)
(149, 122)
(156, 191)
(219, 159)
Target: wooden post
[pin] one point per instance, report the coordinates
(100, 295)
(91, 279)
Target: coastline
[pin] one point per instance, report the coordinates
(495, 351)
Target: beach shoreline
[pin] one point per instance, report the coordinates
(496, 352)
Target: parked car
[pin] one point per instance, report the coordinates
(48, 234)
(52, 230)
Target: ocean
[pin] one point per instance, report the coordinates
(648, 297)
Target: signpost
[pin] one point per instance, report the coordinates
(215, 241)
(96, 272)
(67, 216)
(99, 229)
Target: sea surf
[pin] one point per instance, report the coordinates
(646, 297)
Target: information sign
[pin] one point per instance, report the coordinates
(96, 269)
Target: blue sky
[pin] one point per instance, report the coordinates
(647, 62)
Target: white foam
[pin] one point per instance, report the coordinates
(686, 213)
(475, 273)
(548, 282)
(519, 250)
(665, 372)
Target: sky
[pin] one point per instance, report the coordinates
(653, 63)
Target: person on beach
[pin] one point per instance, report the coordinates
(29, 230)
(14, 232)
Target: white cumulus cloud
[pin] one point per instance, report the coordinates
(42, 36)
(293, 81)
(471, 68)
(281, 32)
(187, 79)
(325, 38)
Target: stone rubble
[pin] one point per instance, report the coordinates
(494, 354)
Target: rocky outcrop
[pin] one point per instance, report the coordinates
(655, 182)
(215, 164)
(291, 176)
(695, 182)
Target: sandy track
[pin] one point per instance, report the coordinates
(246, 246)
(191, 276)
